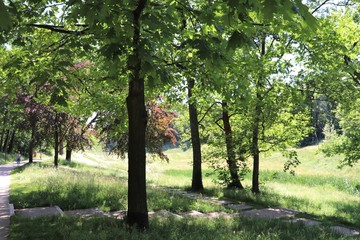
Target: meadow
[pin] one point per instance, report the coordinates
(319, 190)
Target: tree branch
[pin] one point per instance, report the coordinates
(59, 29)
(206, 112)
(318, 7)
(219, 124)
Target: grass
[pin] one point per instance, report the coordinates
(6, 158)
(39, 185)
(94, 179)
(170, 228)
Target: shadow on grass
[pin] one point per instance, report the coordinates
(347, 214)
(350, 211)
(159, 199)
(163, 228)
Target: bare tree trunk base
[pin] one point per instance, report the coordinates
(138, 220)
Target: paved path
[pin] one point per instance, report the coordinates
(4, 198)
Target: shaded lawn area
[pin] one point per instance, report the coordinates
(164, 228)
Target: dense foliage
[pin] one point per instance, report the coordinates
(253, 75)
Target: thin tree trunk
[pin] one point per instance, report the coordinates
(137, 214)
(32, 142)
(68, 154)
(255, 146)
(196, 184)
(2, 138)
(255, 134)
(3, 132)
(61, 148)
(7, 136)
(231, 157)
(11, 144)
(56, 141)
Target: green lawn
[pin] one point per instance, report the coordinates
(94, 179)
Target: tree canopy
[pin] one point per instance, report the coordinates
(264, 68)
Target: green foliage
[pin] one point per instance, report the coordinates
(5, 19)
(348, 142)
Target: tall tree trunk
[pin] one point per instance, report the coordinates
(2, 138)
(3, 132)
(231, 157)
(56, 141)
(61, 148)
(68, 153)
(256, 124)
(196, 184)
(255, 146)
(137, 214)
(32, 142)
(11, 143)
(7, 136)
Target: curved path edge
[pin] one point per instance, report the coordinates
(5, 171)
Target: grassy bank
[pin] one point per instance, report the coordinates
(94, 179)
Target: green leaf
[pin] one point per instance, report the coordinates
(148, 69)
(64, 64)
(66, 52)
(269, 9)
(5, 19)
(308, 18)
(239, 39)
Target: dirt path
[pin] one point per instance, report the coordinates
(4, 198)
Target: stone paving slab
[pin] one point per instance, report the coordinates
(193, 213)
(87, 213)
(223, 202)
(164, 213)
(305, 221)
(11, 209)
(39, 211)
(118, 214)
(269, 213)
(245, 210)
(239, 207)
(219, 215)
(345, 231)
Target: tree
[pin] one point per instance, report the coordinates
(346, 143)
(134, 37)
(331, 68)
(196, 184)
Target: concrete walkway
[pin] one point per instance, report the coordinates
(4, 198)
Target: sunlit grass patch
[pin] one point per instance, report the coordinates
(67, 188)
